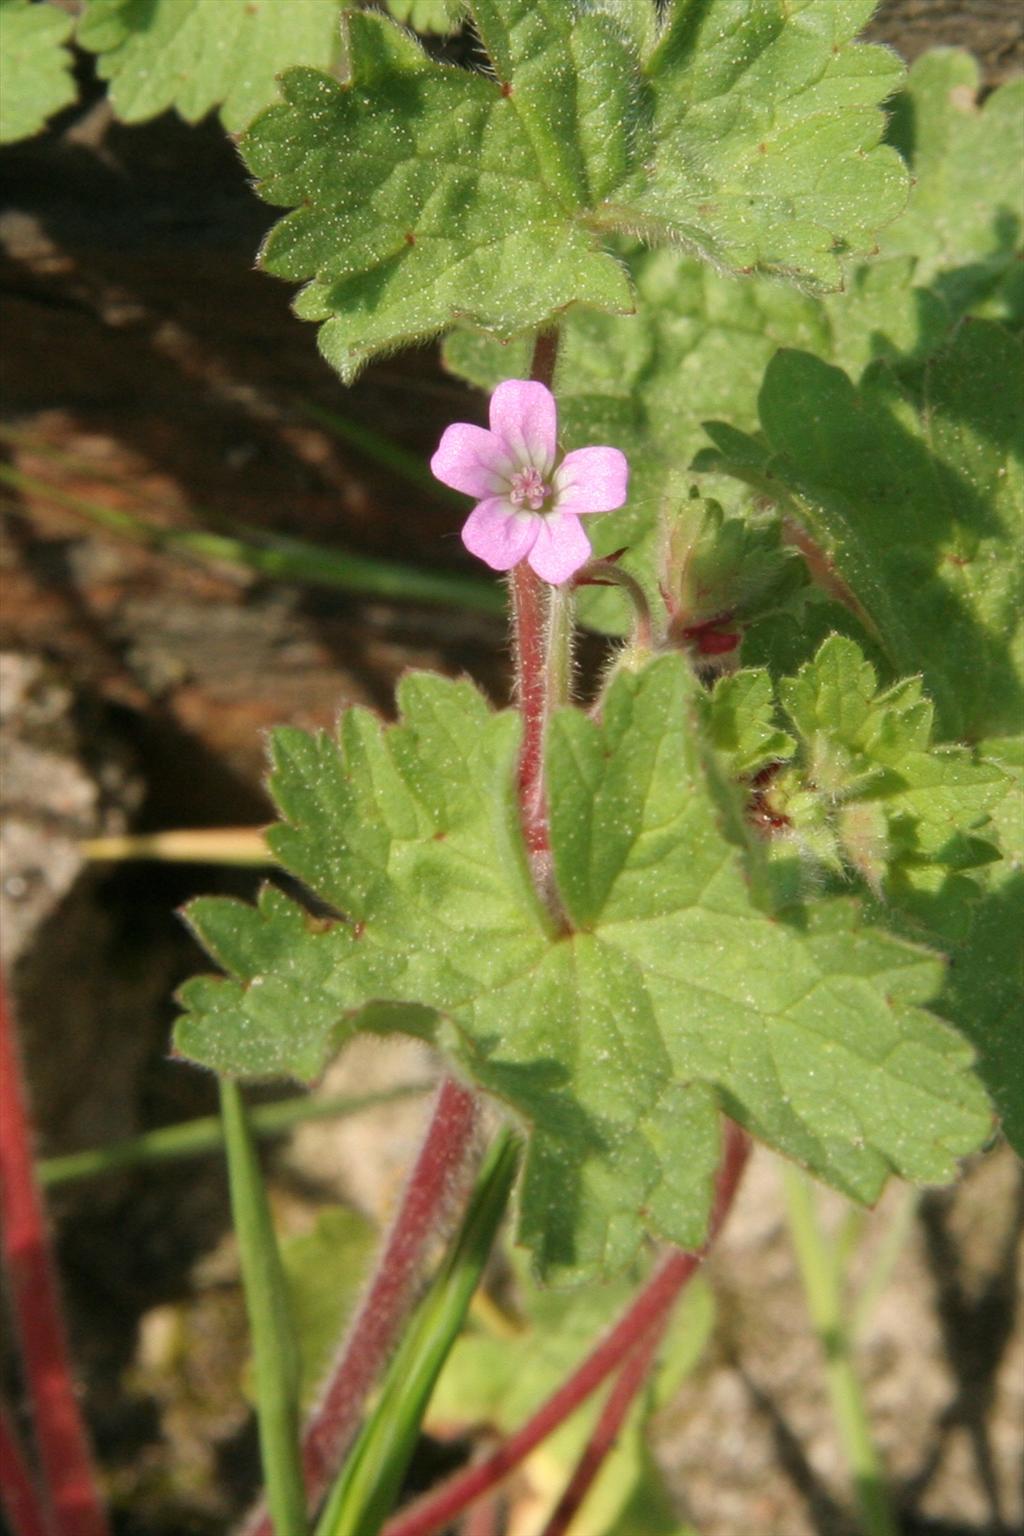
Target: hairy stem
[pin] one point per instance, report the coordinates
(823, 1290)
(606, 1431)
(437, 1509)
(558, 649)
(64, 1454)
(439, 1170)
(19, 1497)
(531, 601)
(529, 623)
(605, 573)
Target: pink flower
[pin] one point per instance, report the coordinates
(531, 499)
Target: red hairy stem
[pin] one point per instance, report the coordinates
(529, 623)
(440, 1167)
(545, 356)
(482, 1519)
(529, 597)
(606, 1431)
(64, 1454)
(19, 1497)
(435, 1510)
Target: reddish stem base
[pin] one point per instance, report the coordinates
(649, 1309)
(64, 1455)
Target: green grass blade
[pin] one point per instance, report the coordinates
(381, 450)
(275, 1352)
(204, 1135)
(364, 1494)
(279, 557)
(823, 1291)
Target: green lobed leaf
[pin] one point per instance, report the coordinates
(765, 142)
(699, 343)
(195, 55)
(424, 194)
(913, 484)
(35, 67)
(671, 996)
(965, 219)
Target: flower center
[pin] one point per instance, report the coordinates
(528, 489)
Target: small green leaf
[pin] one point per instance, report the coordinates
(672, 995)
(742, 724)
(896, 802)
(195, 55)
(439, 17)
(35, 67)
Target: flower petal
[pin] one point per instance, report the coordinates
(498, 534)
(524, 417)
(560, 549)
(471, 459)
(591, 480)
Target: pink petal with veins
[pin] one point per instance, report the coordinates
(524, 417)
(472, 460)
(560, 549)
(499, 536)
(591, 480)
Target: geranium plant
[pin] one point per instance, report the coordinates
(755, 415)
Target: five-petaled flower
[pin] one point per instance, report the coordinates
(531, 499)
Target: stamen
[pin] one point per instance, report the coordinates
(528, 489)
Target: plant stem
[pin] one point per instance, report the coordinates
(558, 646)
(436, 1176)
(823, 1291)
(531, 599)
(66, 1462)
(19, 1497)
(438, 1508)
(605, 573)
(239, 847)
(373, 1474)
(274, 1346)
(206, 1134)
(889, 1250)
(606, 1431)
(529, 622)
